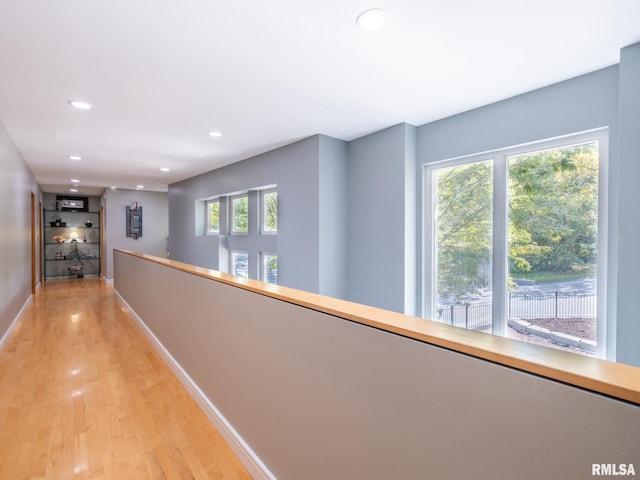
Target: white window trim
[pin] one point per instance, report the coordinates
(232, 262)
(263, 270)
(208, 230)
(232, 230)
(263, 212)
(500, 247)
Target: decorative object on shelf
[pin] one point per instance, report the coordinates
(77, 267)
(58, 223)
(71, 247)
(76, 270)
(134, 220)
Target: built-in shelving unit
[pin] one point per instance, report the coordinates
(71, 243)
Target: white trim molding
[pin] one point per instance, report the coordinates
(246, 455)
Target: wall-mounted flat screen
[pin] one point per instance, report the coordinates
(70, 203)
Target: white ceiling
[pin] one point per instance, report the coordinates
(161, 73)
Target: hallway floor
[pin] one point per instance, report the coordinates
(83, 395)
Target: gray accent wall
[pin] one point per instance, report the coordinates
(332, 217)
(347, 213)
(316, 396)
(580, 104)
(381, 215)
(16, 186)
(352, 212)
(628, 221)
(305, 173)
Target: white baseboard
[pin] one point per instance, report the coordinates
(246, 455)
(5, 337)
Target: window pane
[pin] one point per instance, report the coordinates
(270, 211)
(553, 247)
(240, 264)
(213, 217)
(240, 214)
(269, 268)
(464, 232)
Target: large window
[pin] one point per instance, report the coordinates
(517, 243)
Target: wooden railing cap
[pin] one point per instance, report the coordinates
(601, 376)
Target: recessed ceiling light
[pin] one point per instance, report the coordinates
(139, 187)
(74, 157)
(73, 190)
(165, 169)
(80, 104)
(75, 180)
(214, 133)
(372, 19)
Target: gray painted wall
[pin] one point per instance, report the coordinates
(320, 254)
(332, 217)
(582, 103)
(579, 104)
(319, 397)
(628, 267)
(304, 173)
(16, 185)
(155, 223)
(377, 261)
(381, 203)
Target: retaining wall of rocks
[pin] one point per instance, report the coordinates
(559, 338)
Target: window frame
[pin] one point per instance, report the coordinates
(500, 226)
(263, 211)
(232, 262)
(263, 269)
(208, 229)
(232, 216)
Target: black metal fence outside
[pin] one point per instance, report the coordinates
(552, 305)
(477, 316)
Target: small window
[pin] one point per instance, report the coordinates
(213, 217)
(240, 264)
(240, 214)
(270, 211)
(269, 268)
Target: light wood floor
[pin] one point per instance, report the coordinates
(84, 395)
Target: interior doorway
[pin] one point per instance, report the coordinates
(33, 243)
